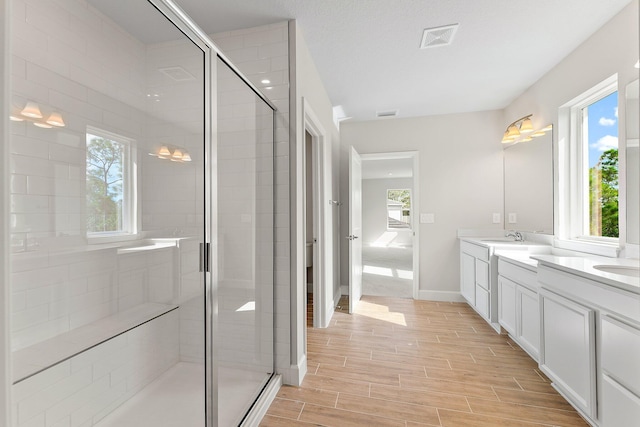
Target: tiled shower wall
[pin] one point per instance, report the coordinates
(69, 58)
(263, 53)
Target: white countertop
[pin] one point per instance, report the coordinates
(585, 267)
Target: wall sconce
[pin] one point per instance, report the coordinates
(31, 112)
(175, 154)
(522, 130)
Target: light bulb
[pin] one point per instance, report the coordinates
(164, 152)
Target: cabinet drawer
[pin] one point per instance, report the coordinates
(621, 352)
(620, 407)
(520, 275)
(482, 301)
(482, 274)
(477, 251)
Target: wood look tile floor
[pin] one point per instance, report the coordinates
(400, 362)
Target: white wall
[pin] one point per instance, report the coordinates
(374, 210)
(612, 49)
(460, 172)
(309, 96)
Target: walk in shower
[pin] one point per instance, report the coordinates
(141, 267)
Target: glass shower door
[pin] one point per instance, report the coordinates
(243, 332)
(108, 151)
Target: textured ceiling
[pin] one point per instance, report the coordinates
(367, 51)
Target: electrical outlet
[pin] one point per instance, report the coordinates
(427, 218)
(496, 218)
(513, 218)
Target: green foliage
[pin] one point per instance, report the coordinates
(603, 194)
(104, 185)
(403, 196)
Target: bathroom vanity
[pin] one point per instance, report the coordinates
(590, 335)
(479, 272)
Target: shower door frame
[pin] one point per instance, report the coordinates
(209, 251)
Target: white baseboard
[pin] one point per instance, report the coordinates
(445, 296)
(259, 409)
(295, 373)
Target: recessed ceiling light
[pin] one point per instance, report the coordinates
(638, 64)
(390, 174)
(265, 81)
(269, 87)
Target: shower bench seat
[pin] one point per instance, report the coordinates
(36, 358)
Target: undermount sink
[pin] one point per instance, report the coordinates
(624, 270)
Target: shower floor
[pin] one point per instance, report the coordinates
(176, 398)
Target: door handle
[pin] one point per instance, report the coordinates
(351, 237)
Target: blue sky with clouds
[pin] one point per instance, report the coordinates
(603, 127)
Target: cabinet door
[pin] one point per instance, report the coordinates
(507, 304)
(568, 349)
(482, 301)
(468, 277)
(482, 274)
(528, 333)
(620, 407)
(620, 352)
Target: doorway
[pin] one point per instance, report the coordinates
(389, 225)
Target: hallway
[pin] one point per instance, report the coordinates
(400, 362)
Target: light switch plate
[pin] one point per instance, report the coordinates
(496, 218)
(427, 218)
(513, 218)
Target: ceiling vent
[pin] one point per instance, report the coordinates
(388, 113)
(438, 36)
(178, 74)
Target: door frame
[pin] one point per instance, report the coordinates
(322, 297)
(415, 205)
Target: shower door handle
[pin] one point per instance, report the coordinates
(351, 237)
(204, 258)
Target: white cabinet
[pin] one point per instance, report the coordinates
(568, 351)
(477, 280)
(507, 304)
(518, 310)
(620, 362)
(528, 332)
(467, 277)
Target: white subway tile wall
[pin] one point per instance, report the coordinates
(82, 390)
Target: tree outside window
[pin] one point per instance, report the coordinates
(106, 162)
(600, 120)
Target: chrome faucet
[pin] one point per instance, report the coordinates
(516, 235)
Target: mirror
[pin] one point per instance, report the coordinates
(632, 128)
(528, 185)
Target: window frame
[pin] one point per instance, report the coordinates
(572, 166)
(130, 220)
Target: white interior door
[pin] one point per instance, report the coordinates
(355, 229)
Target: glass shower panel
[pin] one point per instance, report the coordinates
(243, 344)
(107, 215)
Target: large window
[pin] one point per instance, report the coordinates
(588, 191)
(398, 209)
(600, 144)
(110, 184)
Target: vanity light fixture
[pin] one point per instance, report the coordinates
(32, 113)
(175, 154)
(522, 130)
